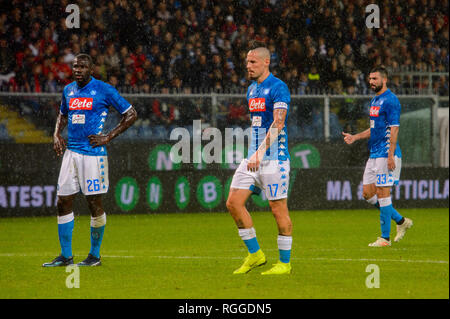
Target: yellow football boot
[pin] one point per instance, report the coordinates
(279, 268)
(251, 261)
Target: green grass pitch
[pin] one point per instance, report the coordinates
(193, 255)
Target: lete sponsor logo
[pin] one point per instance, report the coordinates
(81, 103)
(257, 105)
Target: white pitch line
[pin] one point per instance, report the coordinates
(221, 257)
(49, 254)
(323, 259)
(381, 260)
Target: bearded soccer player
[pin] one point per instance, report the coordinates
(268, 164)
(84, 107)
(384, 165)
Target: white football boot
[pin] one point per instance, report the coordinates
(401, 229)
(380, 242)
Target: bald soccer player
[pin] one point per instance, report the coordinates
(268, 164)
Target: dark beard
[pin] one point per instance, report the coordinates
(377, 88)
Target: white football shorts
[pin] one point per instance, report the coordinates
(272, 177)
(377, 172)
(83, 172)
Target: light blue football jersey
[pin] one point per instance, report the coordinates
(262, 99)
(87, 109)
(384, 113)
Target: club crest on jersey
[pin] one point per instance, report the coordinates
(257, 104)
(81, 103)
(374, 111)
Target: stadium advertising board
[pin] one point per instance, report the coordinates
(207, 190)
(147, 181)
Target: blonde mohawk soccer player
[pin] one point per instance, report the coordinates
(268, 165)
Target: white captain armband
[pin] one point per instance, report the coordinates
(280, 105)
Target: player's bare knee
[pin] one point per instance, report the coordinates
(368, 195)
(64, 205)
(95, 205)
(278, 206)
(369, 191)
(233, 205)
(229, 204)
(383, 192)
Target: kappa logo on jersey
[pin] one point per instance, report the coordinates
(375, 111)
(81, 103)
(257, 104)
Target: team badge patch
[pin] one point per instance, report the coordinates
(256, 121)
(78, 119)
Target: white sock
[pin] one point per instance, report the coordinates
(385, 201)
(98, 221)
(66, 218)
(247, 233)
(373, 200)
(284, 242)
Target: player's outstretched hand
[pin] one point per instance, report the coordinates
(59, 145)
(348, 138)
(98, 140)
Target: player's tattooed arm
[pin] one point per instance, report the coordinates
(58, 141)
(350, 139)
(126, 121)
(279, 117)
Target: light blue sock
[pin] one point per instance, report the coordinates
(284, 247)
(248, 235)
(385, 216)
(65, 229)
(97, 230)
(394, 213)
(252, 245)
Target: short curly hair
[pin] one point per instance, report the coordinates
(86, 57)
(381, 69)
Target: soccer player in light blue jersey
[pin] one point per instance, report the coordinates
(84, 107)
(268, 164)
(384, 165)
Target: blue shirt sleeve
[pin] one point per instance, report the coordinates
(116, 100)
(393, 112)
(63, 107)
(281, 96)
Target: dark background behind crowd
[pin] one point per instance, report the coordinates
(200, 46)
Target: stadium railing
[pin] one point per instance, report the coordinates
(317, 118)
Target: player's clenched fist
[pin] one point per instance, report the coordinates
(348, 138)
